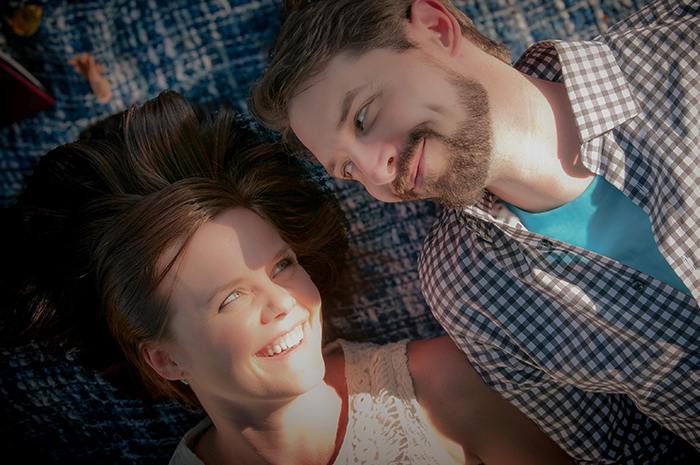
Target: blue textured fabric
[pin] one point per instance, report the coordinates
(210, 51)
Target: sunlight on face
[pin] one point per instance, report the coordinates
(238, 296)
(423, 133)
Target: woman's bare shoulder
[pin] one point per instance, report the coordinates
(468, 416)
(437, 364)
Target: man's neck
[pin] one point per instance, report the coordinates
(537, 163)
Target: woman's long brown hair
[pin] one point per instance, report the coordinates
(98, 215)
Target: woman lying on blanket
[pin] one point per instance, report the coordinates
(186, 260)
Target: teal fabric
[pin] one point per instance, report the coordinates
(605, 221)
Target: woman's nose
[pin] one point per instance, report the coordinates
(279, 303)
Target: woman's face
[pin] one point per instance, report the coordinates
(247, 318)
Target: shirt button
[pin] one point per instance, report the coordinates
(546, 245)
(638, 286)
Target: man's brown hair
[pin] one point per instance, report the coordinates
(315, 32)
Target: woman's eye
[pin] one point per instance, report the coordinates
(360, 118)
(231, 297)
(282, 265)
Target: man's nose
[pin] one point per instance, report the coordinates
(377, 162)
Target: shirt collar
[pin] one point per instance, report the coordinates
(600, 96)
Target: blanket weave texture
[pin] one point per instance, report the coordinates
(210, 51)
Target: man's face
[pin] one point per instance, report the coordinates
(404, 126)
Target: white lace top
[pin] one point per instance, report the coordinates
(385, 424)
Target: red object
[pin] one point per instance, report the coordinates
(19, 96)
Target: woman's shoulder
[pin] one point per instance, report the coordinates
(435, 365)
(441, 371)
(439, 360)
(383, 403)
(450, 392)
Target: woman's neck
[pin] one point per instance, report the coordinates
(306, 430)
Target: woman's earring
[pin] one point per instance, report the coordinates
(184, 381)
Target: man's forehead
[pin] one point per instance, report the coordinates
(332, 71)
(309, 102)
(322, 104)
(316, 97)
(309, 84)
(309, 114)
(331, 86)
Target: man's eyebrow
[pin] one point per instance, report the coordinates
(347, 103)
(344, 111)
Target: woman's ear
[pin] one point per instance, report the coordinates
(160, 360)
(432, 24)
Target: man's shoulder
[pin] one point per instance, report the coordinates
(655, 14)
(448, 230)
(540, 60)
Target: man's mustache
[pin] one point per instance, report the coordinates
(406, 156)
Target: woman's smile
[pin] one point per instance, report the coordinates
(285, 344)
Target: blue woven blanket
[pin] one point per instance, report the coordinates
(209, 51)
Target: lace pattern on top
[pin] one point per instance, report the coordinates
(385, 422)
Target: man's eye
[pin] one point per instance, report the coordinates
(347, 170)
(360, 118)
(231, 297)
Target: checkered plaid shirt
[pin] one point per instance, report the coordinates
(588, 348)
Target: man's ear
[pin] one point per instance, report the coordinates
(431, 22)
(160, 360)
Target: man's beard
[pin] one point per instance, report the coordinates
(469, 148)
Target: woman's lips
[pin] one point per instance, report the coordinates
(284, 343)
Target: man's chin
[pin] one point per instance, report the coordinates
(410, 197)
(457, 199)
(448, 201)
(460, 202)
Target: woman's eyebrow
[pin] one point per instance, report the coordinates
(283, 252)
(228, 285)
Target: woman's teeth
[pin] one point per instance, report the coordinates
(286, 342)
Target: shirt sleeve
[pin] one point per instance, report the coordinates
(583, 345)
